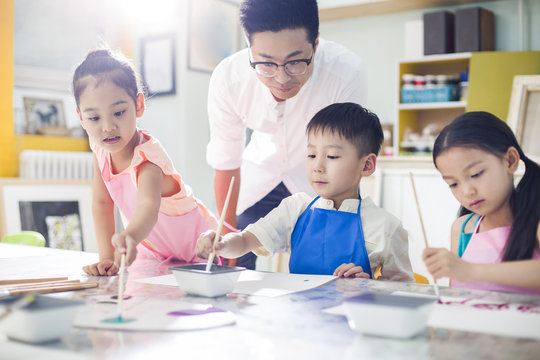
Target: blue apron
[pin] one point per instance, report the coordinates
(324, 239)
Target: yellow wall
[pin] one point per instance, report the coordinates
(10, 144)
(492, 75)
(8, 165)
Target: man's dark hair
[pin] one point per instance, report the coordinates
(359, 126)
(276, 15)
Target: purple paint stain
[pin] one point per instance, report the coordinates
(191, 312)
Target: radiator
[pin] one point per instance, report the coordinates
(61, 165)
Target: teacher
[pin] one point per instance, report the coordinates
(260, 100)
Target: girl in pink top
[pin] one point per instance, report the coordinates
(132, 171)
(477, 155)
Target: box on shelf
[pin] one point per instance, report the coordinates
(434, 94)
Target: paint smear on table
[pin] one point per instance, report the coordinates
(117, 320)
(192, 312)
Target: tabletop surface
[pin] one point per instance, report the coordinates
(285, 327)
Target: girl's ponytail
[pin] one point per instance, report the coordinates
(525, 204)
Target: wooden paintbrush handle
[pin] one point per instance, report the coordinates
(58, 288)
(40, 284)
(25, 281)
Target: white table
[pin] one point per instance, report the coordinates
(286, 327)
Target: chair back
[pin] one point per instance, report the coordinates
(25, 237)
(420, 279)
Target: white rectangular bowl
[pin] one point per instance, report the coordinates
(388, 315)
(45, 319)
(195, 280)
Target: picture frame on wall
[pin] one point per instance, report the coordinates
(208, 45)
(158, 68)
(524, 113)
(60, 210)
(45, 116)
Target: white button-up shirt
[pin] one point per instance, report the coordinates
(385, 238)
(276, 153)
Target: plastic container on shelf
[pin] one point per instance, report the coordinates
(407, 89)
(463, 86)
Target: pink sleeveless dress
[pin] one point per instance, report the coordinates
(181, 219)
(487, 247)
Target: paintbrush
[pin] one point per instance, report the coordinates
(220, 225)
(49, 288)
(437, 293)
(121, 286)
(38, 285)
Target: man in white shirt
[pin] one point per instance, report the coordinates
(274, 87)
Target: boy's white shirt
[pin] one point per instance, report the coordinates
(385, 238)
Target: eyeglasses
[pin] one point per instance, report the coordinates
(292, 68)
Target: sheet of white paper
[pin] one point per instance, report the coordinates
(335, 310)
(167, 280)
(477, 315)
(260, 283)
(275, 284)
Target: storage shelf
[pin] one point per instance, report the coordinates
(434, 105)
(376, 7)
(437, 58)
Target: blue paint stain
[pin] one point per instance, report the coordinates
(117, 320)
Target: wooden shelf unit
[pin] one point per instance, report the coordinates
(491, 76)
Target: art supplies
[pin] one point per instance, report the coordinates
(39, 320)
(437, 292)
(220, 225)
(120, 298)
(195, 280)
(45, 287)
(121, 286)
(388, 315)
(28, 281)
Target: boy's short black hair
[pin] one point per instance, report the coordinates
(276, 15)
(359, 126)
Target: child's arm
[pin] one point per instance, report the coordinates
(443, 263)
(230, 246)
(103, 214)
(150, 181)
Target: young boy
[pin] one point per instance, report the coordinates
(337, 232)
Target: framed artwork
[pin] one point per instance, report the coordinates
(524, 113)
(45, 116)
(208, 45)
(60, 210)
(158, 64)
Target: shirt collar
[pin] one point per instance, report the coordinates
(348, 205)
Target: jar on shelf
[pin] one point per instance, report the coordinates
(407, 89)
(463, 85)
